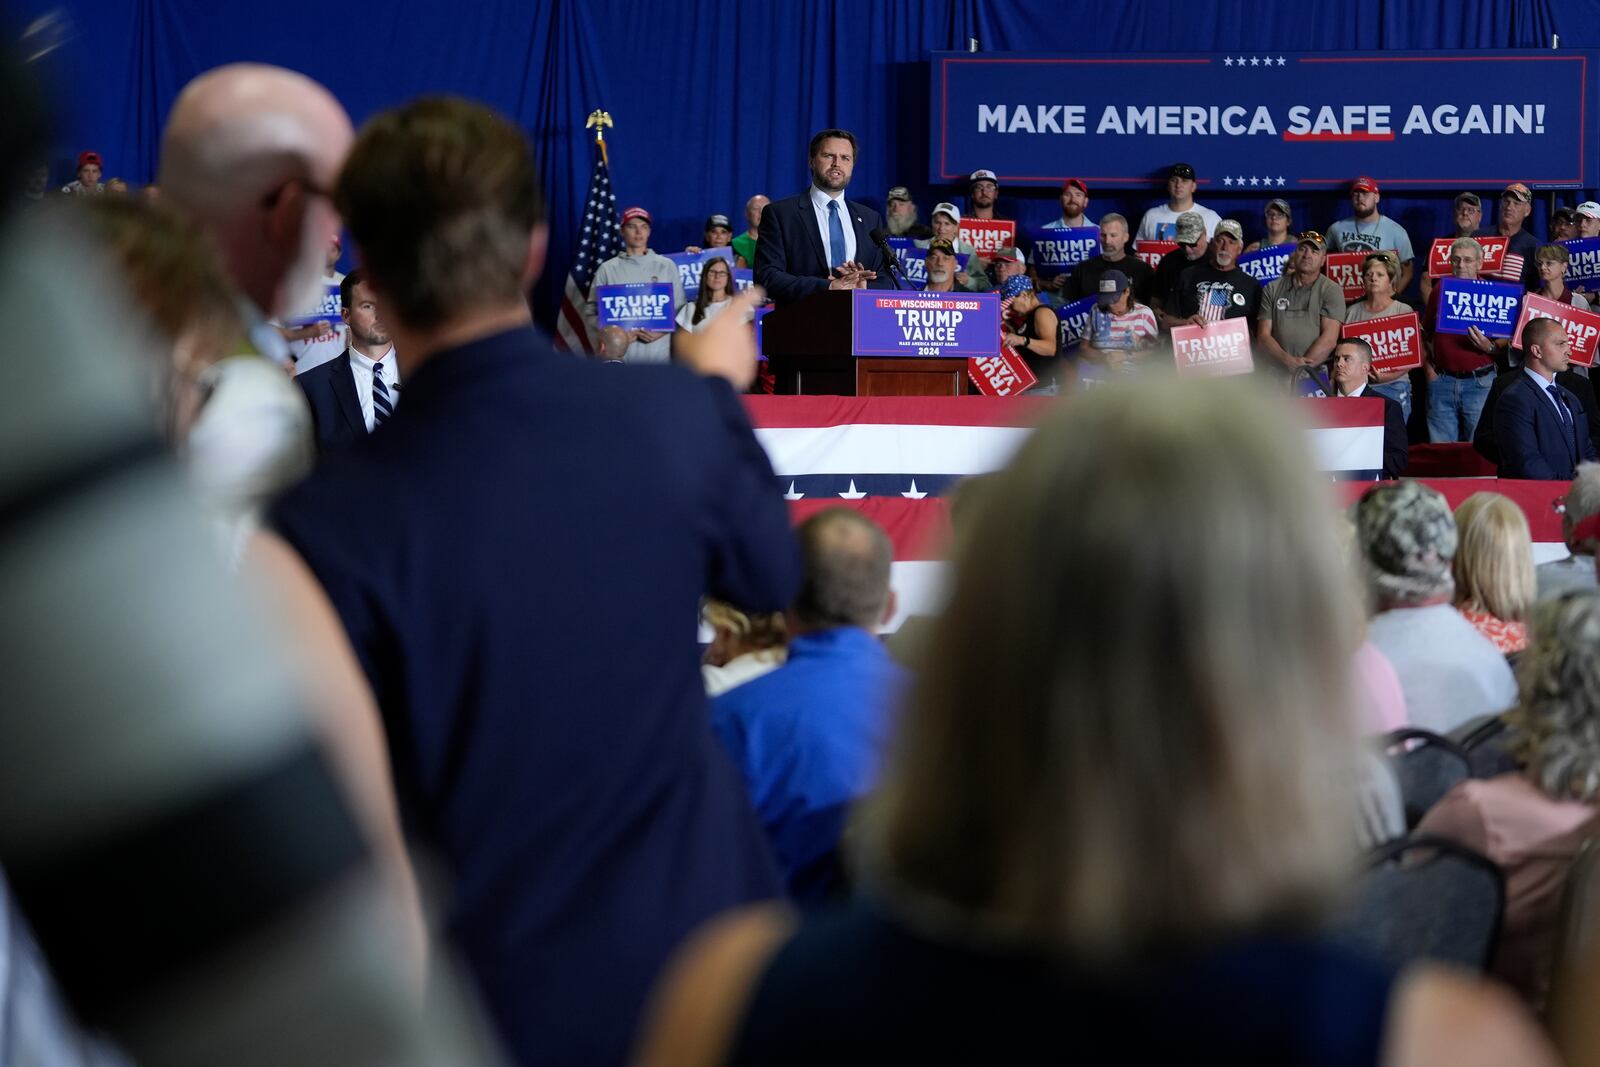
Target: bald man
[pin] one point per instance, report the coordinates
(249, 153)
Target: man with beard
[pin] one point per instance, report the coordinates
(902, 215)
(352, 394)
(1368, 231)
(1074, 201)
(941, 267)
(1216, 288)
(1302, 311)
(1085, 277)
(818, 240)
(983, 192)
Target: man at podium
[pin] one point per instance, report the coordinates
(819, 240)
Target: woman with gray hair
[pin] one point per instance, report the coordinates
(1449, 671)
(1112, 842)
(1531, 822)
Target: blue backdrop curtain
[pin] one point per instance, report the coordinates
(713, 100)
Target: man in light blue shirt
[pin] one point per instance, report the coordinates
(809, 736)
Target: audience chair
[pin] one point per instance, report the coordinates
(1485, 740)
(1427, 766)
(1426, 898)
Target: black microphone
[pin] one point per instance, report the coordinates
(881, 239)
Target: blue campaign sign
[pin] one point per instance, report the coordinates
(927, 324)
(636, 306)
(1252, 121)
(690, 264)
(1492, 307)
(1266, 264)
(327, 310)
(1058, 251)
(743, 278)
(1077, 318)
(1584, 264)
(913, 261)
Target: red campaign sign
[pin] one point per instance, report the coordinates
(1494, 255)
(1345, 269)
(1213, 349)
(1152, 251)
(1002, 375)
(1583, 327)
(988, 236)
(1396, 340)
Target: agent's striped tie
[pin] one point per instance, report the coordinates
(382, 405)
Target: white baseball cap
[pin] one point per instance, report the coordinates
(948, 209)
(1588, 209)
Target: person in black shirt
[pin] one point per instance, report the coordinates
(1216, 289)
(1192, 245)
(1114, 255)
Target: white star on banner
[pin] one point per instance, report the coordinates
(1280, 61)
(1227, 61)
(913, 494)
(791, 494)
(1254, 62)
(1280, 181)
(852, 493)
(1253, 181)
(1227, 181)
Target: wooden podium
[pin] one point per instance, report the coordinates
(808, 347)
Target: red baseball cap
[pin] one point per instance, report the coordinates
(86, 158)
(1075, 183)
(1364, 184)
(636, 213)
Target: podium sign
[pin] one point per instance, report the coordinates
(949, 325)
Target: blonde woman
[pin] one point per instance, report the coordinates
(1531, 822)
(1494, 569)
(743, 647)
(1143, 824)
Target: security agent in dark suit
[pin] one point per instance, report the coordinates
(794, 258)
(1350, 368)
(1539, 425)
(1577, 384)
(334, 389)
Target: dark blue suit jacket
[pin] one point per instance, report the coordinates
(335, 410)
(791, 263)
(518, 559)
(1532, 439)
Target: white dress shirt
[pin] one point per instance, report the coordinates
(819, 201)
(361, 369)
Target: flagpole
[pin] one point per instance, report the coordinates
(598, 121)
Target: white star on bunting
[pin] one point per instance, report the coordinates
(1227, 61)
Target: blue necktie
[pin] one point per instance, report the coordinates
(1566, 416)
(835, 233)
(382, 407)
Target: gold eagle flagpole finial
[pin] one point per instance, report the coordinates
(598, 121)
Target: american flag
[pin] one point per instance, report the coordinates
(1510, 268)
(598, 241)
(1214, 308)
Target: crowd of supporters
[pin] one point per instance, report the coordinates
(1111, 801)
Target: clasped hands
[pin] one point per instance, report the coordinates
(851, 275)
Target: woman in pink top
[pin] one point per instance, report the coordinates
(1533, 821)
(1494, 569)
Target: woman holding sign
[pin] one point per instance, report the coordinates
(1552, 260)
(1030, 328)
(1379, 274)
